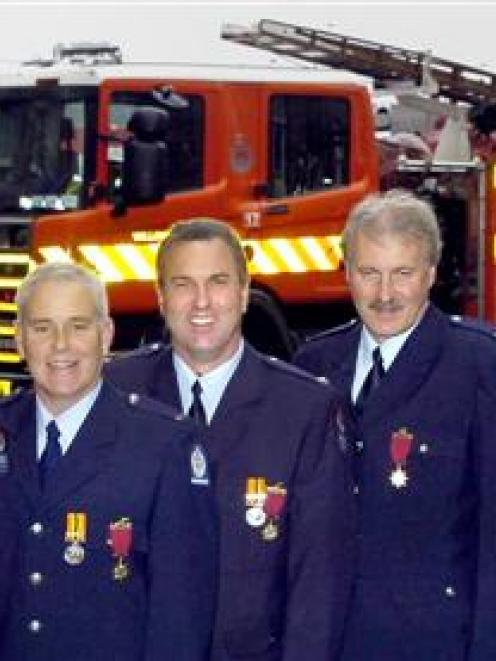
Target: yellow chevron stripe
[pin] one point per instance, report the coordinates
(9, 357)
(96, 257)
(14, 258)
(7, 331)
(8, 307)
(10, 283)
(55, 254)
(136, 261)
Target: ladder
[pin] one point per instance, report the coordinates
(385, 64)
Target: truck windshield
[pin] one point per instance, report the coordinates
(42, 150)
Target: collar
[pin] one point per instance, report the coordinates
(213, 383)
(68, 422)
(390, 348)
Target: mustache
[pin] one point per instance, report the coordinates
(386, 306)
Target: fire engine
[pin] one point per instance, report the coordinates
(98, 158)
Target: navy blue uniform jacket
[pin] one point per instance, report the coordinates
(285, 598)
(425, 589)
(130, 458)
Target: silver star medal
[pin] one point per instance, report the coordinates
(398, 478)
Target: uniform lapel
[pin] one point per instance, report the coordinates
(163, 384)
(89, 451)
(343, 365)
(244, 387)
(412, 366)
(21, 428)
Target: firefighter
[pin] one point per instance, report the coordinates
(422, 389)
(115, 546)
(277, 441)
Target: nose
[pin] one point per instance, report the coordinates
(60, 338)
(201, 296)
(385, 293)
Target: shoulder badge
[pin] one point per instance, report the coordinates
(150, 405)
(295, 371)
(475, 325)
(329, 332)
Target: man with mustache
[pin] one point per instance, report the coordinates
(421, 387)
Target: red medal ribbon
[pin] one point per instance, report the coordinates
(401, 445)
(274, 501)
(121, 535)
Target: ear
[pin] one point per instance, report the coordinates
(245, 296)
(107, 334)
(432, 275)
(19, 340)
(160, 298)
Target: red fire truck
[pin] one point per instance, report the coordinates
(98, 158)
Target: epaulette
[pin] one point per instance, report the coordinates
(293, 370)
(335, 330)
(145, 350)
(9, 399)
(474, 325)
(143, 403)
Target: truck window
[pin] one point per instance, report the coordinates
(42, 164)
(309, 143)
(185, 139)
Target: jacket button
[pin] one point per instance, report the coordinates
(36, 528)
(359, 446)
(450, 591)
(34, 626)
(35, 578)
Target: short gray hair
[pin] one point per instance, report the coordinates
(202, 229)
(395, 212)
(62, 272)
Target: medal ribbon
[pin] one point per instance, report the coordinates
(121, 534)
(75, 530)
(274, 502)
(401, 445)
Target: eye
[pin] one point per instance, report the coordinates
(220, 279)
(40, 328)
(404, 273)
(179, 283)
(368, 273)
(81, 324)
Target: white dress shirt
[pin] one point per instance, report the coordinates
(213, 383)
(68, 422)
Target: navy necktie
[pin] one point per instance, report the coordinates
(372, 381)
(52, 452)
(196, 411)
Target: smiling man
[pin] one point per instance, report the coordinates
(421, 386)
(115, 541)
(277, 442)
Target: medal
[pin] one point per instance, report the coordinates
(256, 490)
(398, 478)
(75, 537)
(120, 538)
(199, 466)
(270, 531)
(255, 517)
(273, 506)
(401, 445)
